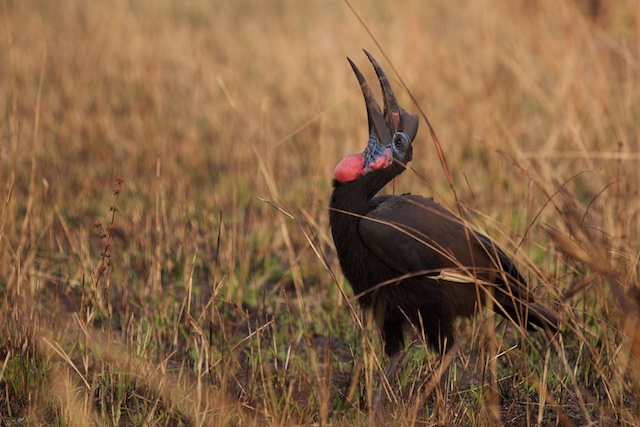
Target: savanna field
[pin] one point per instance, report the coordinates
(165, 174)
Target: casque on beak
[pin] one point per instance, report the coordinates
(391, 132)
(382, 126)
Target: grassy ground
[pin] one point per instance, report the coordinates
(206, 290)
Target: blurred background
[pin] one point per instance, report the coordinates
(225, 121)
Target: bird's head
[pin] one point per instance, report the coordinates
(390, 133)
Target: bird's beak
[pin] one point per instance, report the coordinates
(382, 126)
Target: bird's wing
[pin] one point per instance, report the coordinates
(414, 234)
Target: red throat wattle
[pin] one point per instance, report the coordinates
(349, 168)
(381, 162)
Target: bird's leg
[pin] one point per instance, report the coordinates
(392, 366)
(389, 384)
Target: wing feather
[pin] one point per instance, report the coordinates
(414, 234)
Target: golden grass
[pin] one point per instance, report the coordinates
(222, 301)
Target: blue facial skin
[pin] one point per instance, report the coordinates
(376, 155)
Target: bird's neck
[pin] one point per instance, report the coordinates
(346, 209)
(349, 203)
(352, 197)
(350, 200)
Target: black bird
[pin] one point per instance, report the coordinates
(407, 258)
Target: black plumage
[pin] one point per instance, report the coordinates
(406, 257)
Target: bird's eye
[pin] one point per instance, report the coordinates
(400, 141)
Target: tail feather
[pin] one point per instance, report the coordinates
(542, 318)
(527, 314)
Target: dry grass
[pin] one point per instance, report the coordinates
(221, 300)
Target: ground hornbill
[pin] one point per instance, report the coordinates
(407, 258)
